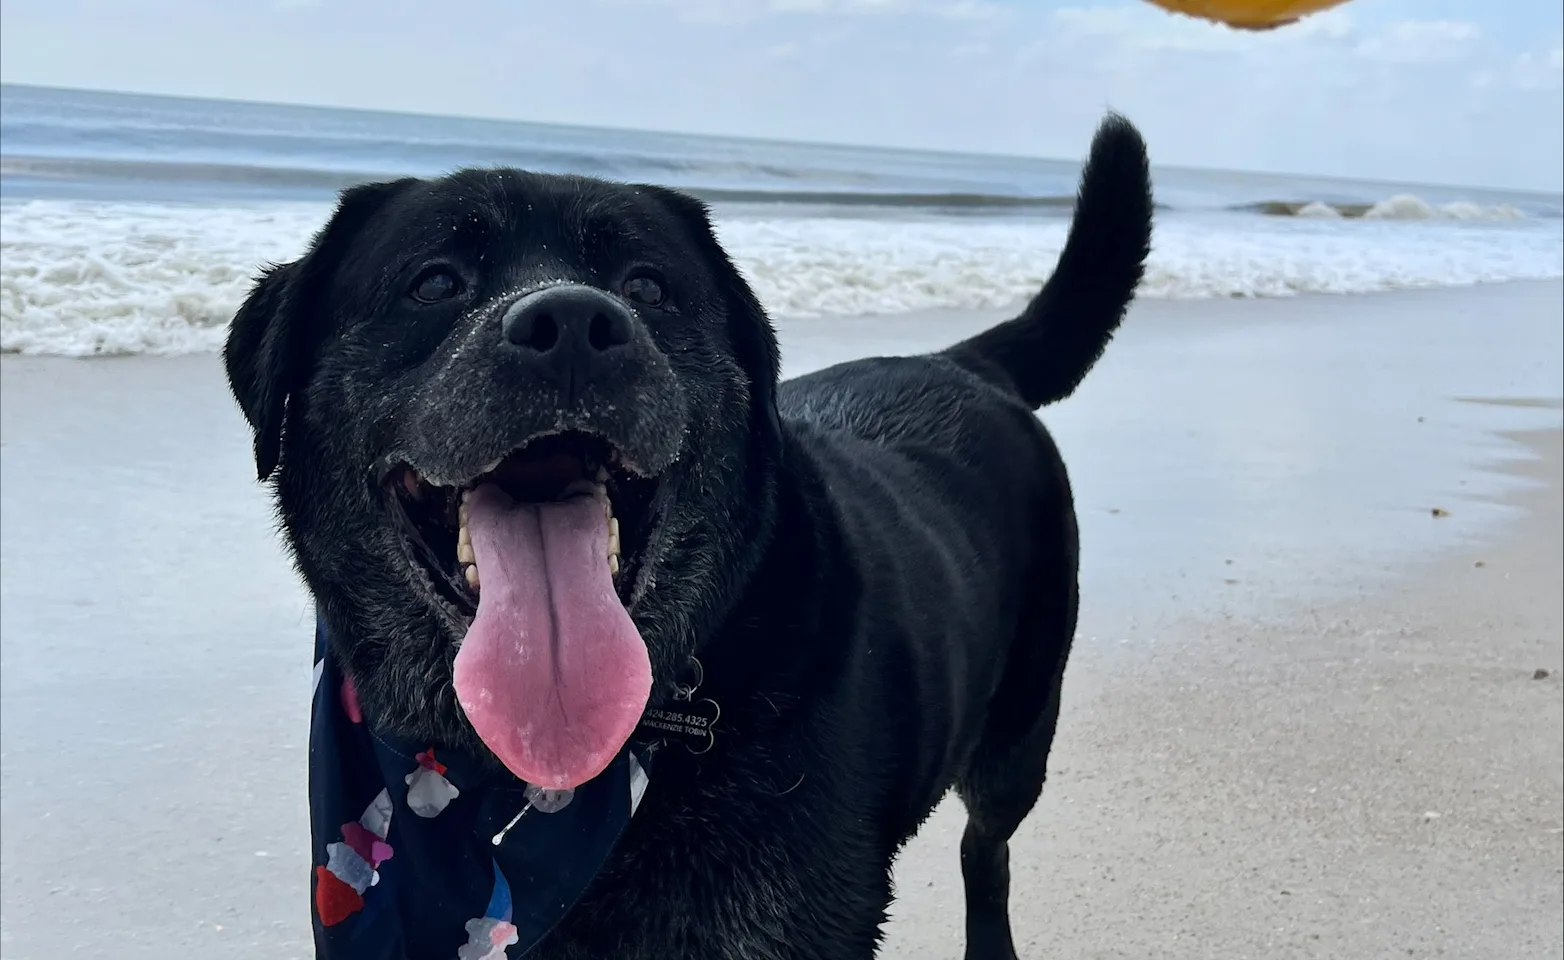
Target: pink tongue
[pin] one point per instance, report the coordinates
(552, 674)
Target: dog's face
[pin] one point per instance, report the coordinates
(521, 428)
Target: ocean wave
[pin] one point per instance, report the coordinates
(176, 171)
(1401, 206)
(310, 178)
(847, 268)
(89, 278)
(84, 279)
(687, 175)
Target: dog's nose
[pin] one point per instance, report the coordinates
(568, 330)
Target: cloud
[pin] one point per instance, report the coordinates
(742, 11)
(1144, 28)
(1407, 99)
(971, 10)
(1423, 41)
(1539, 70)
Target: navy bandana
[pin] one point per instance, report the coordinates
(420, 852)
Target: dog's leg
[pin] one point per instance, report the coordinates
(1005, 775)
(998, 798)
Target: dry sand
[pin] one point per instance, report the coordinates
(1301, 720)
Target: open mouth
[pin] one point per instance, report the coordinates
(538, 554)
(549, 469)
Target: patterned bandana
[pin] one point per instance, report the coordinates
(421, 852)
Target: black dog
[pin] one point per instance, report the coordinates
(875, 564)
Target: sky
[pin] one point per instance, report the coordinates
(1430, 91)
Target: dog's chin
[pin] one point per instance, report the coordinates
(428, 513)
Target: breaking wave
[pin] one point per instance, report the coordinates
(88, 278)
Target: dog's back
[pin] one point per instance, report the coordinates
(953, 498)
(948, 442)
(955, 508)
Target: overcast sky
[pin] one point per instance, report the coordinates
(1415, 90)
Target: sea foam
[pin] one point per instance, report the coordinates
(87, 278)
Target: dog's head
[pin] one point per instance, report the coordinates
(522, 430)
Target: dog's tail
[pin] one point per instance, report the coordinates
(1045, 352)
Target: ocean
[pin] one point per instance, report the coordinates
(134, 224)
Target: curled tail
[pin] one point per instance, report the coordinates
(1044, 353)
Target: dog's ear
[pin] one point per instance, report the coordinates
(273, 336)
(754, 338)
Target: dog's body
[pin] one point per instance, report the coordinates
(911, 637)
(875, 564)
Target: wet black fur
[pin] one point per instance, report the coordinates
(876, 562)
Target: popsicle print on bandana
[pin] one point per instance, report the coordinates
(428, 792)
(490, 934)
(351, 865)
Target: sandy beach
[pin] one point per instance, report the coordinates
(1314, 710)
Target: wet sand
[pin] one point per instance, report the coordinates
(1301, 720)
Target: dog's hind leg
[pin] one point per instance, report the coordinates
(1005, 774)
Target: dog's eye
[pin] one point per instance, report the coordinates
(436, 284)
(643, 288)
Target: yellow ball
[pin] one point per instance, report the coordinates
(1248, 14)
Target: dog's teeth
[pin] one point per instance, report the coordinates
(464, 546)
(602, 475)
(613, 566)
(471, 573)
(613, 537)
